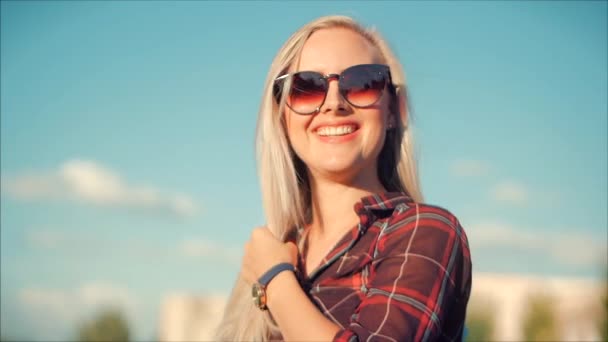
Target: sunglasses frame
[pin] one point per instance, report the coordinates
(384, 70)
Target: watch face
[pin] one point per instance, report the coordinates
(255, 289)
(259, 296)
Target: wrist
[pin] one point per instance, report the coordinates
(280, 286)
(275, 270)
(259, 289)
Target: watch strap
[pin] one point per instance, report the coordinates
(276, 269)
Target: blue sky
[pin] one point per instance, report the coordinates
(127, 129)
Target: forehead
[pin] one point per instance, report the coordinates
(335, 49)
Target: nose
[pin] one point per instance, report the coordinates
(333, 100)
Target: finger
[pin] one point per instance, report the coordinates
(258, 231)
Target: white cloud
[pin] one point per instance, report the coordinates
(87, 246)
(569, 249)
(202, 248)
(78, 244)
(81, 246)
(92, 183)
(510, 192)
(71, 303)
(469, 168)
(30, 186)
(97, 294)
(46, 238)
(57, 303)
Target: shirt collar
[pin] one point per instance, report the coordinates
(386, 201)
(371, 207)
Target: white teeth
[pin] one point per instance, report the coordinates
(335, 130)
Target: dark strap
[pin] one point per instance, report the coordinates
(271, 273)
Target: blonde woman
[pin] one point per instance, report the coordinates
(349, 252)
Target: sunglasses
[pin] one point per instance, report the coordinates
(360, 85)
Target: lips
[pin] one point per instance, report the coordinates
(333, 131)
(337, 132)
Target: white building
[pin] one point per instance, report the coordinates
(578, 308)
(578, 303)
(190, 317)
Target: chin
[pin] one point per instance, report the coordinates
(338, 164)
(340, 168)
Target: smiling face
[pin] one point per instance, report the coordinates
(340, 141)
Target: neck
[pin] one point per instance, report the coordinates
(333, 203)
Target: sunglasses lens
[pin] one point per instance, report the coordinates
(363, 85)
(360, 85)
(307, 92)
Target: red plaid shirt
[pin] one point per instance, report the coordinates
(402, 274)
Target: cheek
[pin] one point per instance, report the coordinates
(296, 125)
(375, 139)
(376, 134)
(379, 117)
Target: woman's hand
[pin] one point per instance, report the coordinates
(263, 251)
(298, 318)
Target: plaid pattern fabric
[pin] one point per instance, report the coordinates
(403, 274)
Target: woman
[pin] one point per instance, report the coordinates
(333, 135)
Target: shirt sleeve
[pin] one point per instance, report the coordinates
(419, 278)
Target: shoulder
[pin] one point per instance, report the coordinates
(423, 227)
(401, 210)
(422, 214)
(430, 239)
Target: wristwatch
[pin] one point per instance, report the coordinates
(258, 290)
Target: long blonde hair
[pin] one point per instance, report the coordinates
(284, 184)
